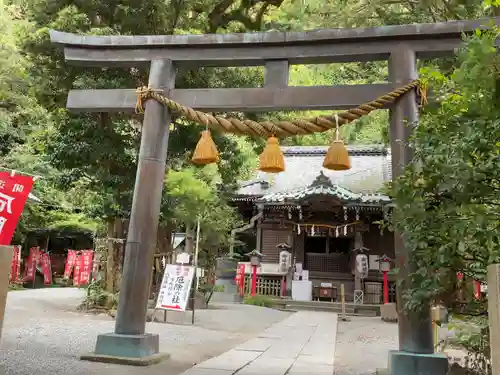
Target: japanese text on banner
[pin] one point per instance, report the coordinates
(15, 271)
(46, 268)
(32, 263)
(70, 263)
(14, 191)
(175, 287)
(85, 266)
(76, 273)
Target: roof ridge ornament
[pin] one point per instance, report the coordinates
(322, 180)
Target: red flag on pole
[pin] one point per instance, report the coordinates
(76, 272)
(15, 271)
(85, 266)
(31, 263)
(46, 268)
(14, 191)
(70, 263)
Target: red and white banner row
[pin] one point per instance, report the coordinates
(79, 263)
(36, 258)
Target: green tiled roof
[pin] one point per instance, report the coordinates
(304, 176)
(323, 186)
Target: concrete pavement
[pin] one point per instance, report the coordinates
(304, 343)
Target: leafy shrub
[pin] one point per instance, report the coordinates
(263, 301)
(473, 335)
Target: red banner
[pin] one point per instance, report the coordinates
(70, 263)
(31, 263)
(46, 268)
(15, 270)
(240, 279)
(76, 272)
(14, 191)
(85, 266)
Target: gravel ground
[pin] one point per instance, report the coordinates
(44, 334)
(363, 345)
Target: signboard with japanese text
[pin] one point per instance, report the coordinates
(15, 269)
(175, 287)
(31, 263)
(46, 268)
(362, 265)
(14, 191)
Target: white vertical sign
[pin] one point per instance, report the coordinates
(175, 287)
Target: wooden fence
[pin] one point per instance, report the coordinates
(266, 285)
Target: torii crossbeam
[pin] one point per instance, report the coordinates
(400, 45)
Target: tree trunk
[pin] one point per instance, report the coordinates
(115, 254)
(189, 248)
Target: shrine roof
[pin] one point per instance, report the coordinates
(304, 176)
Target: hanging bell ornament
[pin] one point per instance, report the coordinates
(272, 160)
(206, 150)
(337, 156)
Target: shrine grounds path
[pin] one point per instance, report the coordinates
(43, 334)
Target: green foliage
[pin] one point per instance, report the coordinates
(258, 300)
(98, 298)
(472, 334)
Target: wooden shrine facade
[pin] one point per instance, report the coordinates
(326, 217)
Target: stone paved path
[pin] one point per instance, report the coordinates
(304, 343)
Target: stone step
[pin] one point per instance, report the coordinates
(318, 307)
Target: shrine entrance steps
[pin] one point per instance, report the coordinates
(351, 309)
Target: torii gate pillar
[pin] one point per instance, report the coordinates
(416, 346)
(129, 344)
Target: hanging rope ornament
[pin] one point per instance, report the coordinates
(272, 159)
(206, 151)
(337, 157)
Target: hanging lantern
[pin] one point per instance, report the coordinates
(337, 157)
(272, 159)
(206, 150)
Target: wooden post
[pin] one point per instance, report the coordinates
(143, 227)
(342, 302)
(5, 263)
(494, 316)
(415, 331)
(195, 264)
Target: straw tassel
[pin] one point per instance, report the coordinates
(206, 150)
(337, 157)
(272, 159)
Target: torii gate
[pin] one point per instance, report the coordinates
(400, 45)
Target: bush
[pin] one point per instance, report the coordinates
(473, 336)
(263, 301)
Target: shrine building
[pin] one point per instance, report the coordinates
(324, 218)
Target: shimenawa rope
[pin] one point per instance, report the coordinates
(278, 128)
